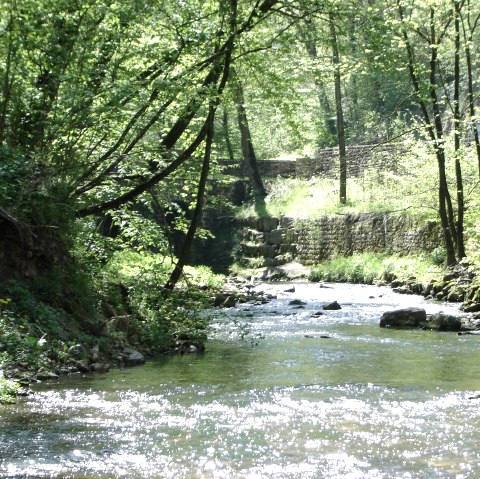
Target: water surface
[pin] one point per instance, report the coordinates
(332, 396)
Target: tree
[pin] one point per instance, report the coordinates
(469, 22)
(339, 111)
(425, 81)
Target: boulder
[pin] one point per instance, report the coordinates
(332, 306)
(100, 367)
(229, 302)
(80, 365)
(276, 237)
(444, 322)
(267, 224)
(219, 299)
(472, 308)
(95, 354)
(404, 318)
(403, 290)
(132, 357)
(120, 323)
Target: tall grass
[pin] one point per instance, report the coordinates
(369, 268)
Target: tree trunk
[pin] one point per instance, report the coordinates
(468, 40)
(457, 124)
(308, 35)
(248, 151)
(197, 213)
(7, 82)
(339, 109)
(226, 135)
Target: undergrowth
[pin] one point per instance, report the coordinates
(161, 316)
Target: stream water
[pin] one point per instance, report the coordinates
(285, 402)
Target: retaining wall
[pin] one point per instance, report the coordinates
(359, 158)
(310, 241)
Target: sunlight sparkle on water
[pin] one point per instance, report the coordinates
(363, 404)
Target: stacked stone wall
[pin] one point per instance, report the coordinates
(279, 240)
(359, 159)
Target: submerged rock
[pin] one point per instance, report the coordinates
(297, 302)
(44, 375)
(332, 306)
(100, 367)
(404, 318)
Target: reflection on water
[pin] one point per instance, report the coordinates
(363, 402)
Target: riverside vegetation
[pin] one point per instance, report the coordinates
(113, 116)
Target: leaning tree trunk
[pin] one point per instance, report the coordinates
(200, 201)
(248, 151)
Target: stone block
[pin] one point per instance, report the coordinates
(286, 222)
(276, 237)
(267, 224)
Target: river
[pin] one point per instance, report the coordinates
(332, 396)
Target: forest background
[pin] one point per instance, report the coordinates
(114, 115)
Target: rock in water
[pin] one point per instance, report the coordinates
(444, 322)
(332, 306)
(131, 357)
(297, 302)
(404, 318)
(229, 302)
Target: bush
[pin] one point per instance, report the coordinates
(8, 390)
(160, 316)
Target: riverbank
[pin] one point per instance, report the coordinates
(458, 284)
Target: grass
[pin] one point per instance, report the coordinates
(299, 198)
(368, 268)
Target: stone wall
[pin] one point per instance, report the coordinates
(280, 240)
(359, 158)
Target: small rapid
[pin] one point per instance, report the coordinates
(281, 392)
